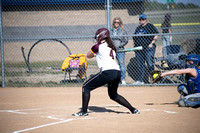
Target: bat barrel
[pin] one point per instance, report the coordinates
(131, 49)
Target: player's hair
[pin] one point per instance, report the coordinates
(166, 20)
(168, 17)
(110, 43)
(120, 24)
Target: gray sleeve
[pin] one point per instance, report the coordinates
(124, 40)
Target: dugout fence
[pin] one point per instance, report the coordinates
(74, 24)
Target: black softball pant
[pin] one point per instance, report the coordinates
(109, 77)
(112, 79)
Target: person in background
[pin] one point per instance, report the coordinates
(105, 53)
(166, 29)
(149, 47)
(120, 42)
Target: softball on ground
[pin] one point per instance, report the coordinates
(155, 75)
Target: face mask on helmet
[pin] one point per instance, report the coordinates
(192, 61)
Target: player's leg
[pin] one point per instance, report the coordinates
(112, 92)
(183, 89)
(91, 84)
(192, 100)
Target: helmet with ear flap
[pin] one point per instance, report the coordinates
(195, 58)
(101, 34)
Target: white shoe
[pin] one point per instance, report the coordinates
(123, 82)
(80, 114)
(138, 83)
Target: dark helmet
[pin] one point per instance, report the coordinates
(101, 34)
(195, 58)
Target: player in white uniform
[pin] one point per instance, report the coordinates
(109, 74)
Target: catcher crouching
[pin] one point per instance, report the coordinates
(189, 92)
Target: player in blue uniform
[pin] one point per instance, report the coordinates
(190, 92)
(109, 74)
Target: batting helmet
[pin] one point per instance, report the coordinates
(195, 58)
(101, 34)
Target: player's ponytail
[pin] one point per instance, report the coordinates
(110, 43)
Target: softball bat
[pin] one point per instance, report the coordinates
(130, 49)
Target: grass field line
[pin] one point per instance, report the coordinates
(179, 24)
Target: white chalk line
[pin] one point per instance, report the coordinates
(50, 124)
(53, 117)
(166, 111)
(62, 120)
(20, 111)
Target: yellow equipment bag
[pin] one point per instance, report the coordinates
(74, 62)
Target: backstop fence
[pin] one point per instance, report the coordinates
(38, 38)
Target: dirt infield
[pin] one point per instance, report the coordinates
(49, 110)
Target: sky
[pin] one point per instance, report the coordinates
(196, 2)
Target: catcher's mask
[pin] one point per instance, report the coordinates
(182, 89)
(195, 58)
(101, 34)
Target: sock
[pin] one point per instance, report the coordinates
(85, 101)
(121, 100)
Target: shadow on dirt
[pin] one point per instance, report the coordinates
(175, 102)
(103, 110)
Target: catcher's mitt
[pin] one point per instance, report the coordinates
(156, 76)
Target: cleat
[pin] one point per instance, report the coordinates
(80, 114)
(136, 112)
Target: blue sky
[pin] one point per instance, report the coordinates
(196, 2)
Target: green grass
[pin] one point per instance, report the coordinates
(177, 19)
(11, 83)
(39, 68)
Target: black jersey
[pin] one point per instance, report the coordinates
(144, 40)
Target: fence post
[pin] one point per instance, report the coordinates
(2, 48)
(108, 14)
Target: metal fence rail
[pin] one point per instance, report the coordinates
(36, 38)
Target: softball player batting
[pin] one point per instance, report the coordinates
(109, 74)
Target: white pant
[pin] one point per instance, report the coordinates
(192, 100)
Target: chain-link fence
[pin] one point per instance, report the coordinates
(38, 36)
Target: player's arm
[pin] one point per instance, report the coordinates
(93, 51)
(90, 54)
(190, 71)
(155, 31)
